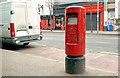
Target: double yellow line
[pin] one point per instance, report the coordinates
(110, 53)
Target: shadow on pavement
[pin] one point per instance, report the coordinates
(15, 47)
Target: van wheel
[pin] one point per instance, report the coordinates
(26, 43)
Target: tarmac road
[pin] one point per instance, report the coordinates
(94, 43)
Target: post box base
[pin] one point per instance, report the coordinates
(75, 65)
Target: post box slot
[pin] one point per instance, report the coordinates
(72, 14)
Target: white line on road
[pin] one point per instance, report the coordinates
(104, 42)
(104, 38)
(112, 38)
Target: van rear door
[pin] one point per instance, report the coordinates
(20, 19)
(26, 19)
(33, 19)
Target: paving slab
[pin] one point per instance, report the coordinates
(24, 64)
(98, 60)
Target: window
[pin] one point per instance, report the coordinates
(72, 20)
(49, 22)
(58, 22)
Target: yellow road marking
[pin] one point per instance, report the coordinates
(115, 54)
(109, 53)
(99, 56)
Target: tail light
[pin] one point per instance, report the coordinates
(12, 30)
(40, 28)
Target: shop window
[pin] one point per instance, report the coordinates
(57, 22)
(117, 22)
(49, 22)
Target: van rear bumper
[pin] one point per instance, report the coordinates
(22, 39)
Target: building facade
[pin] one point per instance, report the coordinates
(113, 14)
(59, 14)
(108, 12)
(109, 16)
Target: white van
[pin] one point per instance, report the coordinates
(19, 22)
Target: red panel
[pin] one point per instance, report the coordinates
(44, 24)
(12, 30)
(94, 8)
(40, 27)
(101, 21)
(54, 22)
(83, 31)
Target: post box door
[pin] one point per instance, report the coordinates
(72, 28)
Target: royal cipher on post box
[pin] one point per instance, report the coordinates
(75, 31)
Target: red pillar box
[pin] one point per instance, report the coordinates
(75, 39)
(75, 31)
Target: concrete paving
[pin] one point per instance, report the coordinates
(50, 62)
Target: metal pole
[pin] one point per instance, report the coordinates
(97, 16)
(91, 16)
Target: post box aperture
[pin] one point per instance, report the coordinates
(75, 31)
(72, 19)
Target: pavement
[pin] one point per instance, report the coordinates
(89, 32)
(51, 62)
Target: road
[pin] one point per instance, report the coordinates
(94, 43)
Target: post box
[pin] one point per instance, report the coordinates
(75, 31)
(75, 18)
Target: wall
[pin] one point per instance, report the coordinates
(119, 9)
(110, 6)
(72, 1)
(105, 13)
(111, 14)
(116, 8)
